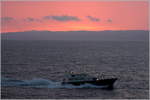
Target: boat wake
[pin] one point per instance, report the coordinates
(42, 83)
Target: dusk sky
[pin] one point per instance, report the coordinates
(73, 16)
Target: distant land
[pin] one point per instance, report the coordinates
(129, 35)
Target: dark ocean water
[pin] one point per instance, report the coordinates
(34, 69)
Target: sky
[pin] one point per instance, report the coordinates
(73, 16)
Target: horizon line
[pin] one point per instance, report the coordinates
(71, 31)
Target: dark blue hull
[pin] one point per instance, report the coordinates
(101, 82)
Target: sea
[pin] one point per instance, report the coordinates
(34, 69)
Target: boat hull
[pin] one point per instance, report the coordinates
(102, 82)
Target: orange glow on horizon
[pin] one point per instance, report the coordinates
(74, 16)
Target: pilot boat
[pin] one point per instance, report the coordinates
(82, 78)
